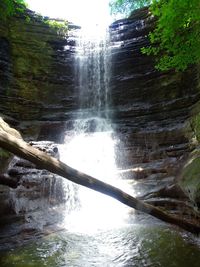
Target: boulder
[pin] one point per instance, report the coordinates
(190, 179)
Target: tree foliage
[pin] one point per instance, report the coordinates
(126, 6)
(10, 7)
(176, 38)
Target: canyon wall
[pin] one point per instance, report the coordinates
(152, 109)
(154, 114)
(36, 75)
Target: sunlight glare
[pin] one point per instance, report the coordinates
(94, 154)
(77, 11)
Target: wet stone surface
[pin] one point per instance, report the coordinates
(37, 192)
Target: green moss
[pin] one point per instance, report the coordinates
(32, 55)
(30, 39)
(60, 27)
(190, 179)
(9, 8)
(4, 153)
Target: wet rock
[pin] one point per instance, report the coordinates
(152, 114)
(151, 108)
(37, 73)
(11, 182)
(46, 146)
(35, 190)
(189, 179)
(5, 207)
(5, 63)
(24, 163)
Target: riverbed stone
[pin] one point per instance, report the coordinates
(36, 191)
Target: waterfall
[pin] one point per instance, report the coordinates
(92, 71)
(90, 146)
(92, 128)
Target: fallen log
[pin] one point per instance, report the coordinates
(43, 161)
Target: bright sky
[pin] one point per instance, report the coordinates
(76, 11)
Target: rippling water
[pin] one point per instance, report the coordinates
(134, 245)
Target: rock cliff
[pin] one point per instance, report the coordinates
(152, 108)
(36, 81)
(36, 75)
(154, 114)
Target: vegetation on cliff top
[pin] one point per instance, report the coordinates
(175, 41)
(10, 7)
(126, 6)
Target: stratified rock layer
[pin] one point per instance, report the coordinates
(36, 76)
(152, 109)
(154, 113)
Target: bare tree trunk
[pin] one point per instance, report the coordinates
(43, 161)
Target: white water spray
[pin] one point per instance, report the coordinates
(91, 146)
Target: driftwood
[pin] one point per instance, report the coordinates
(43, 161)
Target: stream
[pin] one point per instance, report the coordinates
(144, 243)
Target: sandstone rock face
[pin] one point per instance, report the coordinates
(155, 114)
(36, 75)
(152, 109)
(39, 196)
(190, 182)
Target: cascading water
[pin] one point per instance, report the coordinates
(90, 147)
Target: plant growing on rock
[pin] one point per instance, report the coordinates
(175, 41)
(126, 6)
(176, 38)
(61, 27)
(10, 7)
